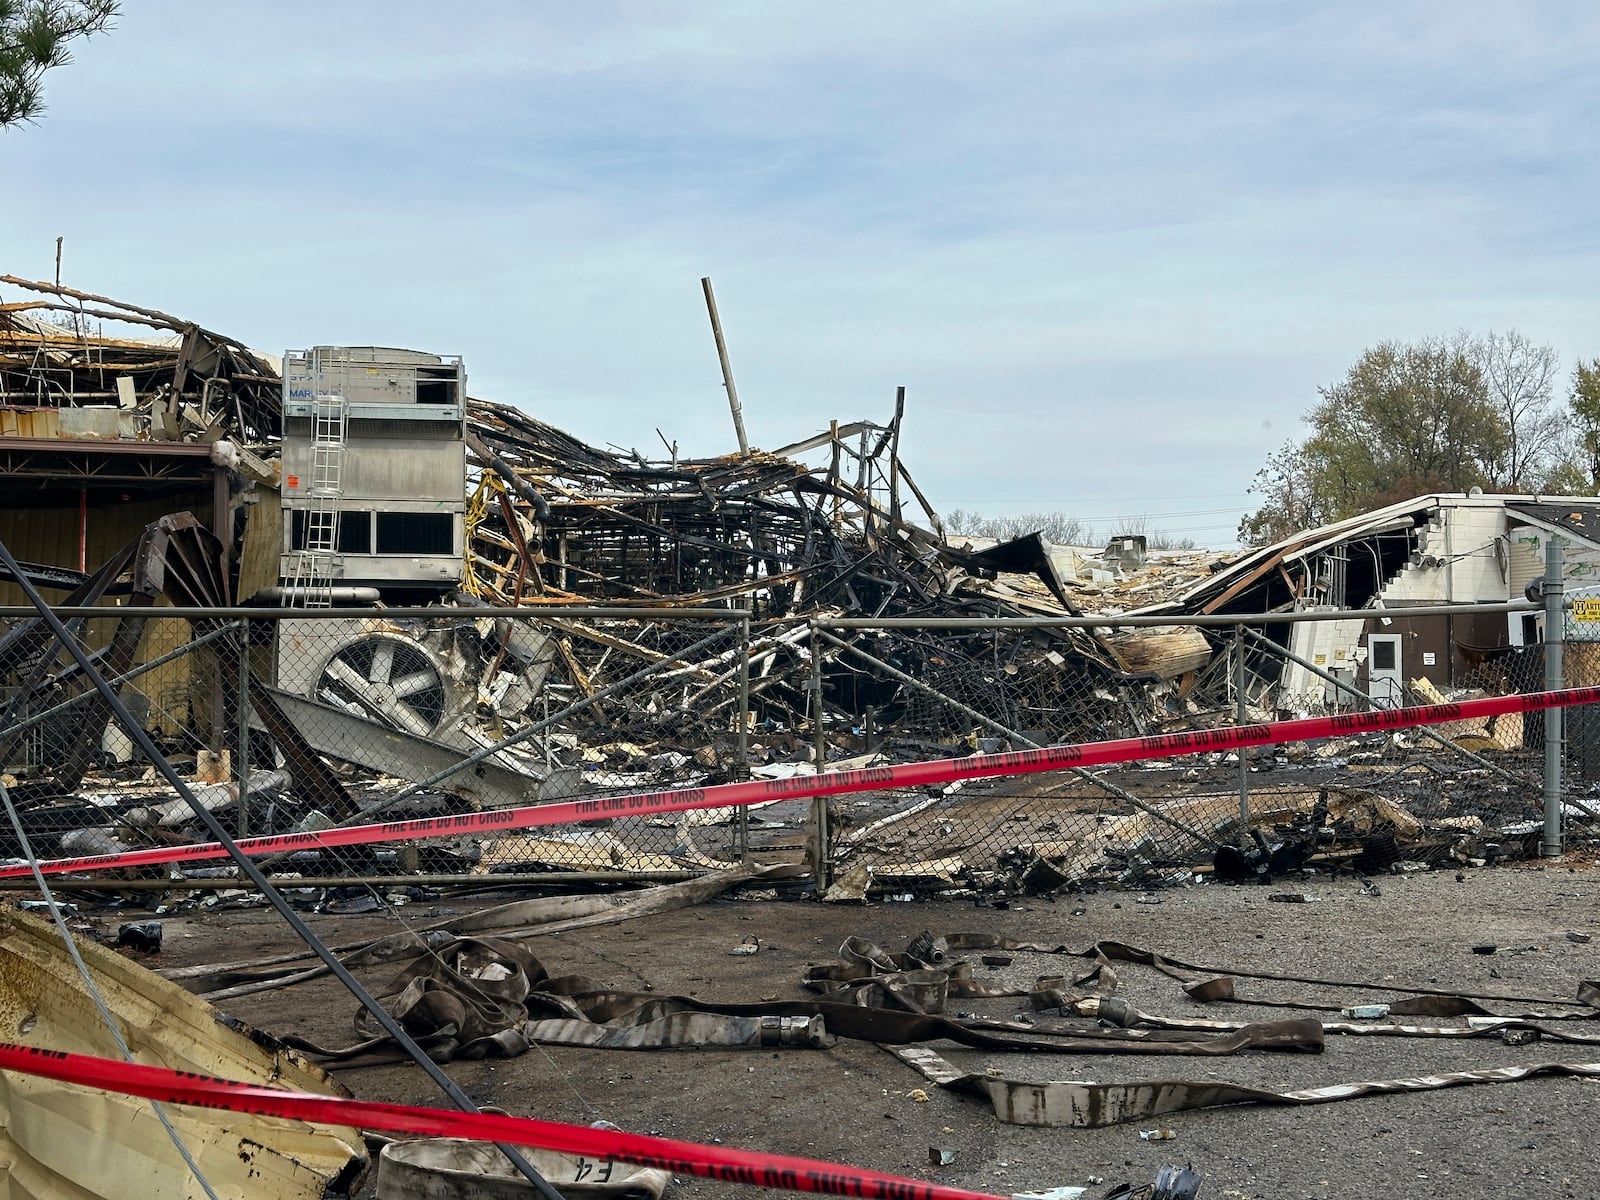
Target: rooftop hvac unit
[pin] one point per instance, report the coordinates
(374, 469)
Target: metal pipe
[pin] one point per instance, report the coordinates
(819, 805)
(241, 770)
(530, 612)
(484, 882)
(535, 612)
(1131, 621)
(727, 368)
(524, 489)
(1555, 635)
(741, 767)
(1241, 686)
(214, 827)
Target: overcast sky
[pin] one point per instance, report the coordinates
(1111, 249)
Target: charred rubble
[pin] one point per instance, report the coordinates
(555, 521)
(182, 432)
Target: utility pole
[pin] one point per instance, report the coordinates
(727, 368)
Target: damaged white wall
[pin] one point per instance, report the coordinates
(1330, 645)
(1471, 551)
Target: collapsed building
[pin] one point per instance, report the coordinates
(677, 620)
(366, 476)
(1434, 550)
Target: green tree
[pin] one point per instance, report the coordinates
(1405, 420)
(34, 35)
(1288, 503)
(1583, 408)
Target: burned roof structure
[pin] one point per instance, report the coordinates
(174, 381)
(1438, 549)
(554, 520)
(157, 415)
(121, 411)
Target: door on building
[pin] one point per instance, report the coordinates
(1384, 678)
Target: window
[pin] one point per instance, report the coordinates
(355, 531)
(1383, 655)
(436, 388)
(416, 533)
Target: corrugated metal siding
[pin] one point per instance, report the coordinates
(1527, 560)
(50, 536)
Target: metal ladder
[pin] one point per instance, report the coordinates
(314, 563)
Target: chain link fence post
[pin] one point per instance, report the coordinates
(242, 706)
(1555, 629)
(819, 841)
(1240, 675)
(741, 744)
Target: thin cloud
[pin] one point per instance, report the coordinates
(1106, 247)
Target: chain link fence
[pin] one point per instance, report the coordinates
(355, 716)
(1469, 792)
(366, 716)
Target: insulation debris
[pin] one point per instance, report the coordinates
(47, 1130)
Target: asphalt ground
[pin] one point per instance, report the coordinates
(856, 1104)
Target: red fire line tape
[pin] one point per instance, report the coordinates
(943, 770)
(683, 1158)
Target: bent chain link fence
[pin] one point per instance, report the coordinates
(372, 716)
(363, 717)
(1467, 792)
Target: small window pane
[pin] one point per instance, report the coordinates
(355, 532)
(416, 533)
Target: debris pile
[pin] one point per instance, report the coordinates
(538, 668)
(555, 521)
(63, 376)
(46, 1003)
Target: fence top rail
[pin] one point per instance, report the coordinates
(1209, 620)
(734, 615)
(436, 612)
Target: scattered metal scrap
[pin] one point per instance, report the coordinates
(62, 376)
(827, 527)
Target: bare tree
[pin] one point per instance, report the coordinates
(1520, 378)
(1155, 538)
(1055, 527)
